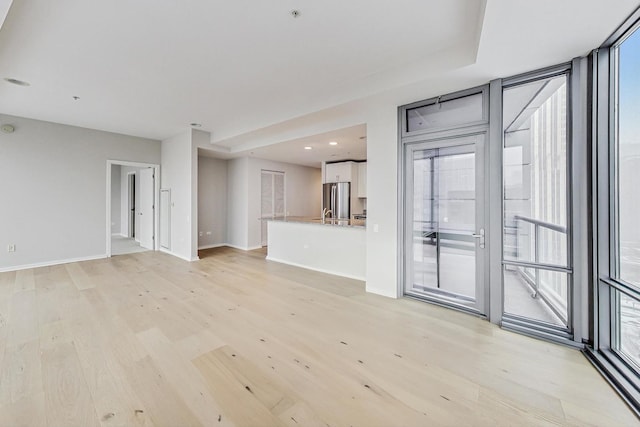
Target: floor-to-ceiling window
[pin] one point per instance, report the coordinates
(616, 337)
(536, 234)
(627, 196)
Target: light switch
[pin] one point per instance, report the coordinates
(376, 228)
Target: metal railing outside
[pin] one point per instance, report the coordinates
(554, 301)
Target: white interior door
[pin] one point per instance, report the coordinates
(145, 211)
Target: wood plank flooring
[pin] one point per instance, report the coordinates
(147, 339)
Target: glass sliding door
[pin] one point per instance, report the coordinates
(536, 234)
(444, 216)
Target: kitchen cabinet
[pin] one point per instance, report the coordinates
(339, 172)
(362, 180)
(352, 172)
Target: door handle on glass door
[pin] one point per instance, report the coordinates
(479, 236)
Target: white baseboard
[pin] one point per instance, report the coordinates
(50, 263)
(383, 293)
(320, 270)
(236, 246)
(217, 245)
(168, 252)
(242, 248)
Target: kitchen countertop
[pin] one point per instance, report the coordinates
(319, 221)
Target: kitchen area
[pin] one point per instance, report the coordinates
(333, 242)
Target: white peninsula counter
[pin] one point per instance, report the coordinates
(330, 246)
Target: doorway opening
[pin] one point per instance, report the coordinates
(132, 218)
(131, 208)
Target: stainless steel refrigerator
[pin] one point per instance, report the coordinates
(336, 197)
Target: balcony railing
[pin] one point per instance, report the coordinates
(528, 255)
(555, 300)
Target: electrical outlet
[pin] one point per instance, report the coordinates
(208, 233)
(11, 247)
(200, 234)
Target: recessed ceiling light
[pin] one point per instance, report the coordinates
(196, 125)
(75, 98)
(333, 143)
(295, 13)
(307, 148)
(16, 82)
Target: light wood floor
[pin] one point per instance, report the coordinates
(147, 339)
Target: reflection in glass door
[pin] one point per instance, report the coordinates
(444, 235)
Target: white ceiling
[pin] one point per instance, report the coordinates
(247, 68)
(352, 145)
(151, 67)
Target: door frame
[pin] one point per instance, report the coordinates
(444, 140)
(156, 195)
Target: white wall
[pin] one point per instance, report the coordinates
(212, 202)
(116, 195)
(328, 248)
(54, 189)
(237, 202)
(303, 193)
(382, 200)
(175, 173)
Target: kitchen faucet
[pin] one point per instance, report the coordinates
(325, 212)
